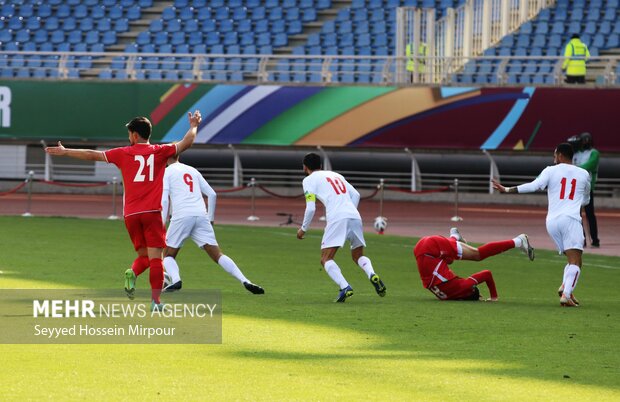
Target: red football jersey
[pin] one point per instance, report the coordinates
(142, 167)
(433, 254)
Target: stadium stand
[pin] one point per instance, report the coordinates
(221, 28)
(546, 35)
(61, 26)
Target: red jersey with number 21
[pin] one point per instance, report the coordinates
(142, 167)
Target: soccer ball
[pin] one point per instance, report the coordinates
(380, 224)
(167, 279)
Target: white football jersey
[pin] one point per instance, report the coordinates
(334, 191)
(568, 188)
(185, 187)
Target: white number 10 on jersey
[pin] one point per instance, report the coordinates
(149, 163)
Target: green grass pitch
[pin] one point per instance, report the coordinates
(294, 343)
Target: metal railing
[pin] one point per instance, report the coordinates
(463, 32)
(295, 69)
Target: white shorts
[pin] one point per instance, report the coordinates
(197, 227)
(567, 233)
(336, 233)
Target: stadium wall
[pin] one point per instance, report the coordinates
(443, 118)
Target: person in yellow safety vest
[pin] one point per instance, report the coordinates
(411, 64)
(576, 54)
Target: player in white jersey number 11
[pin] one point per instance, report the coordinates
(568, 189)
(343, 223)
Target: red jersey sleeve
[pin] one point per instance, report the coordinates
(114, 155)
(168, 150)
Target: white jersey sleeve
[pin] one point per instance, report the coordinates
(568, 188)
(310, 196)
(353, 193)
(208, 192)
(540, 183)
(165, 198)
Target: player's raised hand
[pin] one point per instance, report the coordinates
(194, 119)
(498, 186)
(58, 150)
(300, 234)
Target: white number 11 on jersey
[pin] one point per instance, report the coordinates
(149, 162)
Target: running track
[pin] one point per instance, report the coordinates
(481, 223)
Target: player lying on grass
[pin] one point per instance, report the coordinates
(434, 253)
(142, 166)
(343, 223)
(183, 190)
(568, 189)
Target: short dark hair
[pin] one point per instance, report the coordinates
(140, 125)
(574, 36)
(565, 149)
(312, 161)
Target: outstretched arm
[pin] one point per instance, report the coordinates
(502, 189)
(190, 136)
(84, 154)
(308, 215)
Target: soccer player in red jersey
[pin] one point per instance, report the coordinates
(142, 166)
(434, 253)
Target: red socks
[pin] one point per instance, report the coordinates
(156, 277)
(140, 265)
(487, 277)
(493, 248)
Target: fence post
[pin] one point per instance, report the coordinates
(494, 171)
(456, 217)
(381, 187)
(27, 214)
(416, 179)
(114, 184)
(48, 162)
(381, 190)
(237, 168)
(253, 216)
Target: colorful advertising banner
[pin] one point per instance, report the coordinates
(356, 116)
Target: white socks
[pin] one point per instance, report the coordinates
(571, 275)
(172, 268)
(232, 268)
(333, 270)
(518, 242)
(366, 265)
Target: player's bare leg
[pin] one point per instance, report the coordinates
(229, 266)
(334, 272)
(366, 265)
(571, 276)
(172, 268)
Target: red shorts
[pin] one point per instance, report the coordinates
(433, 254)
(146, 230)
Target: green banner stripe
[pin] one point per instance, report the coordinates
(310, 114)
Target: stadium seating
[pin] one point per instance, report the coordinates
(226, 27)
(57, 25)
(546, 35)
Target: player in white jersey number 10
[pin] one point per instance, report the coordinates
(568, 189)
(343, 223)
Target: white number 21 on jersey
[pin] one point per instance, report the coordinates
(149, 163)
